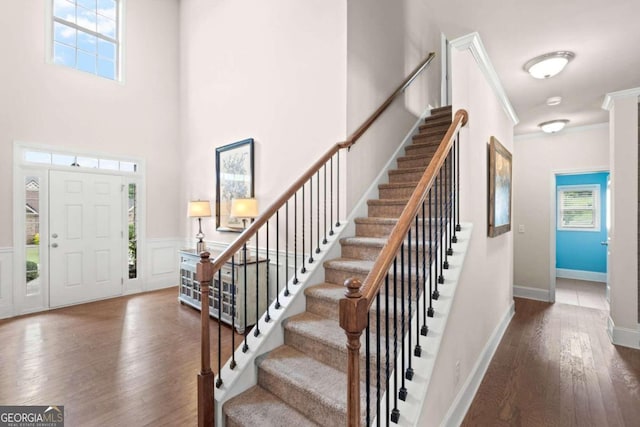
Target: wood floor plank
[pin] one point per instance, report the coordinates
(124, 361)
(555, 366)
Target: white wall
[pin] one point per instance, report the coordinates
(537, 158)
(484, 298)
(623, 267)
(68, 109)
(386, 41)
(273, 71)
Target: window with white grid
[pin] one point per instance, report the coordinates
(579, 207)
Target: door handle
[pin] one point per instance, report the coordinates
(54, 245)
(54, 235)
(604, 243)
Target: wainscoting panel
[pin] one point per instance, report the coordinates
(6, 282)
(161, 267)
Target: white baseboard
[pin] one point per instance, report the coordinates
(531, 293)
(623, 336)
(458, 409)
(591, 276)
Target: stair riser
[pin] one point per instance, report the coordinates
(396, 193)
(395, 210)
(339, 277)
(371, 253)
(384, 230)
(421, 149)
(431, 138)
(406, 177)
(436, 123)
(414, 162)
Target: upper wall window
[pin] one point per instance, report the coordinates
(86, 36)
(579, 207)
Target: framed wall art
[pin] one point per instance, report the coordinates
(234, 179)
(499, 189)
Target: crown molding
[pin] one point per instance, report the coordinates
(610, 97)
(473, 43)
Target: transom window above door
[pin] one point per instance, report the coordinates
(86, 36)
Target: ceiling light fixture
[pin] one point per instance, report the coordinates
(549, 64)
(553, 126)
(554, 100)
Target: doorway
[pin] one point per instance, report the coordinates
(86, 231)
(581, 233)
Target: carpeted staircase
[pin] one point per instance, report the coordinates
(304, 381)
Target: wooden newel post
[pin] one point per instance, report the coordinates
(353, 319)
(204, 275)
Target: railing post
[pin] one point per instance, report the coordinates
(353, 319)
(204, 275)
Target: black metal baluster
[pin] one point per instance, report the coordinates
(310, 221)
(402, 394)
(245, 346)
(440, 237)
(387, 365)
(445, 200)
(409, 372)
(395, 413)
(457, 144)
(278, 259)
(219, 380)
(232, 365)
(378, 339)
(338, 190)
(425, 329)
(318, 211)
(434, 294)
(418, 350)
(324, 205)
(267, 317)
(450, 204)
(331, 199)
(303, 269)
(286, 249)
(367, 375)
(256, 329)
(295, 238)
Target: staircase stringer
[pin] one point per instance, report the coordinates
(245, 374)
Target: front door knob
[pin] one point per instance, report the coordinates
(54, 245)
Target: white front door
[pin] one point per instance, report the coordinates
(86, 229)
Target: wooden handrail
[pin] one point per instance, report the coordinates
(374, 279)
(243, 238)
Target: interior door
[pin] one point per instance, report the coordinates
(86, 229)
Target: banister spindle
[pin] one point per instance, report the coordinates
(256, 329)
(206, 414)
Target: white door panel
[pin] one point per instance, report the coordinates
(86, 237)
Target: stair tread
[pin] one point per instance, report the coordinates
(257, 406)
(334, 293)
(387, 201)
(392, 185)
(350, 264)
(407, 170)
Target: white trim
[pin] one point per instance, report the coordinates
(6, 282)
(573, 129)
(445, 66)
(531, 293)
(458, 409)
(592, 276)
(595, 190)
(474, 44)
(623, 336)
(607, 104)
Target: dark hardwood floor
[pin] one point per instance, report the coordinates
(556, 366)
(126, 361)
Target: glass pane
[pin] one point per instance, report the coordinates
(63, 160)
(106, 68)
(87, 42)
(32, 234)
(86, 18)
(109, 164)
(37, 157)
(87, 162)
(86, 62)
(107, 8)
(128, 166)
(63, 54)
(88, 4)
(64, 34)
(64, 10)
(106, 49)
(133, 242)
(106, 26)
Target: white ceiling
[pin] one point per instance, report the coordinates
(603, 34)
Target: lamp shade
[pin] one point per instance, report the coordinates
(244, 208)
(199, 209)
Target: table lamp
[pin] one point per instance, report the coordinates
(244, 209)
(199, 209)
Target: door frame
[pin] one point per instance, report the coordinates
(553, 220)
(24, 304)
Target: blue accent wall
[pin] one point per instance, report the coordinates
(581, 250)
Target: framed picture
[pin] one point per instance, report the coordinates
(499, 189)
(234, 179)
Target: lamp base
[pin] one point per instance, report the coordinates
(201, 247)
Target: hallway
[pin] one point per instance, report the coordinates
(555, 366)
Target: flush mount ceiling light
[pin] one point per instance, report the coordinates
(549, 64)
(553, 125)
